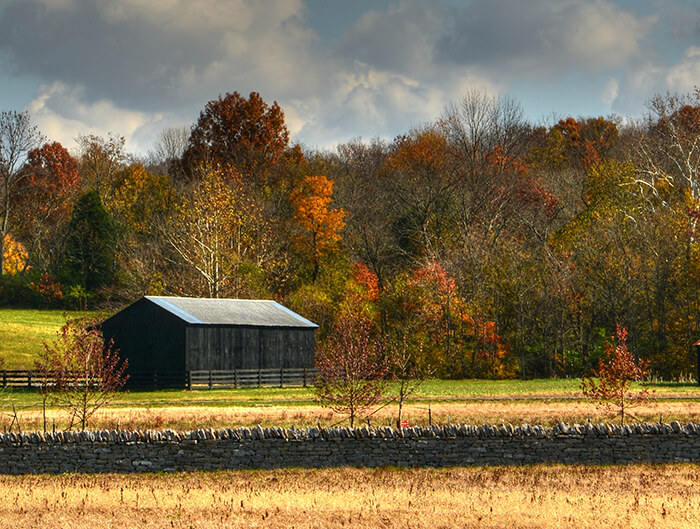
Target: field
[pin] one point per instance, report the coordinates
(23, 332)
(544, 402)
(530, 497)
(512, 497)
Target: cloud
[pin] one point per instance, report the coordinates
(132, 67)
(610, 91)
(543, 38)
(640, 84)
(401, 39)
(685, 75)
(159, 53)
(61, 113)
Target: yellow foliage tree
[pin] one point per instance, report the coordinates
(15, 256)
(218, 229)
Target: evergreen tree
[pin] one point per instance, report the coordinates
(90, 258)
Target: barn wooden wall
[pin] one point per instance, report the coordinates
(223, 347)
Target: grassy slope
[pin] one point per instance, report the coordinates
(23, 332)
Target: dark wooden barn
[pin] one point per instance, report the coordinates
(166, 339)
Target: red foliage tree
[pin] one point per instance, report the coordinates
(82, 373)
(611, 383)
(351, 368)
(580, 143)
(44, 198)
(247, 134)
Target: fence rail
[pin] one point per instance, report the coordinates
(247, 378)
(238, 378)
(16, 378)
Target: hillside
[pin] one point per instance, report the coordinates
(23, 332)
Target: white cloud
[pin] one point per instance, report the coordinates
(685, 76)
(610, 91)
(600, 35)
(642, 83)
(60, 113)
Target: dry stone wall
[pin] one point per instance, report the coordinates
(264, 448)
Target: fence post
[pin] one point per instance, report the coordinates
(189, 380)
(259, 377)
(282, 377)
(4, 378)
(29, 379)
(210, 379)
(304, 377)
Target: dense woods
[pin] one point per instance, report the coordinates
(481, 243)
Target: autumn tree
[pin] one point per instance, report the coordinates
(421, 187)
(487, 143)
(82, 373)
(17, 138)
(138, 196)
(319, 226)
(477, 126)
(168, 149)
(611, 383)
(170, 144)
(351, 368)
(218, 234)
(362, 189)
(99, 161)
(44, 199)
(16, 256)
(141, 202)
(246, 134)
(669, 153)
(580, 143)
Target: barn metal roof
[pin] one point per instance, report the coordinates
(207, 311)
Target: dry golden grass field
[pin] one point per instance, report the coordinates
(516, 497)
(635, 496)
(546, 413)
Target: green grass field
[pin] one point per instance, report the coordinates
(24, 331)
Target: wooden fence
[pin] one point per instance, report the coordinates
(250, 378)
(238, 378)
(15, 378)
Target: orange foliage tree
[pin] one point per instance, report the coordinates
(581, 143)
(611, 383)
(421, 182)
(319, 225)
(458, 341)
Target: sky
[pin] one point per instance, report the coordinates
(339, 69)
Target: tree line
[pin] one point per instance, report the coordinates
(476, 245)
